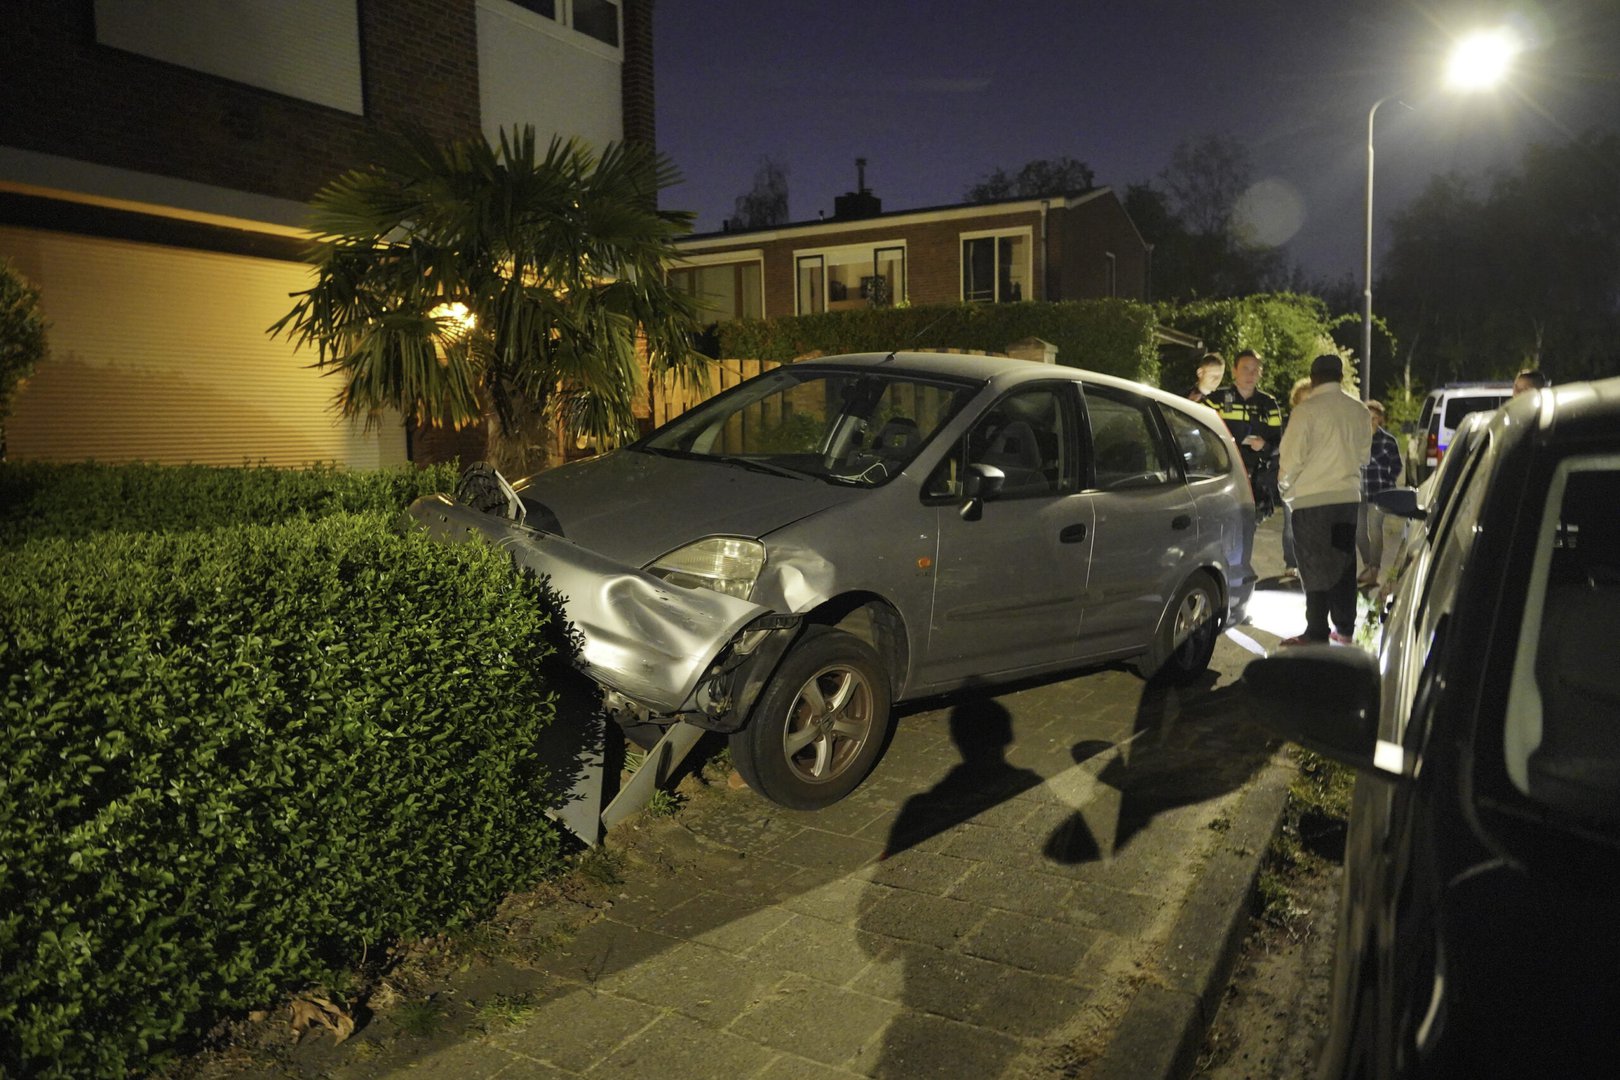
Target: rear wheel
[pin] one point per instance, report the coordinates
(820, 724)
(1185, 642)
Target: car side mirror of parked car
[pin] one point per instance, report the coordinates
(1402, 502)
(982, 484)
(1326, 699)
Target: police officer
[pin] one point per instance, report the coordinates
(1253, 418)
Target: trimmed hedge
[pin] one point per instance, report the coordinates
(234, 759)
(38, 500)
(1111, 336)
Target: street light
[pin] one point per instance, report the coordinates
(1477, 62)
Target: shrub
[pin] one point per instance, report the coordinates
(75, 500)
(1112, 336)
(234, 759)
(22, 338)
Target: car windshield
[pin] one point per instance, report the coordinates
(835, 425)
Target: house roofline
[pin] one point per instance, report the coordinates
(949, 212)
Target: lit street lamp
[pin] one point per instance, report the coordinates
(1477, 62)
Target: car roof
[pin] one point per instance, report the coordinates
(1004, 371)
(1586, 412)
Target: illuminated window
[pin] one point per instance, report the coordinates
(723, 292)
(843, 279)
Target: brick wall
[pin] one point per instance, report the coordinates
(1088, 231)
(637, 78)
(62, 93)
(933, 254)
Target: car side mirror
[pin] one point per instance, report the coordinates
(981, 485)
(1402, 502)
(1326, 699)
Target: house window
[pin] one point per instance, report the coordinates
(845, 279)
(544, 8)
(598, 19)
(812, 284)
(724, 292)
(995, 267)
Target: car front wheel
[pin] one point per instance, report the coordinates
(820, 724)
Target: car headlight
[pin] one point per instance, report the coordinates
(726, 564)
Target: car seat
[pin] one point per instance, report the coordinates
(1016, 453)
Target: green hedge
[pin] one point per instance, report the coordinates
(1112, 336)
(74, 500)
(1288, 330)
(234, 759)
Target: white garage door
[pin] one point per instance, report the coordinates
(160, 354)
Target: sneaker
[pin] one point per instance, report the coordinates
(1341, 639)
(1290, 573)
(1301, 639)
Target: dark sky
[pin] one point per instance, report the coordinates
(936, 93)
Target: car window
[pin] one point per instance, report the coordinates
(1203, 454)
(1126, 450)
(1561, 739)
(1028, 435)
(855, 427)
(1460, 406)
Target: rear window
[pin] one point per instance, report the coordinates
(1201, 449)
(1460, 406)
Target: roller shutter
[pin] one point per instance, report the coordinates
(160, 354)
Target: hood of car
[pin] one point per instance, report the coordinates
(633, 506)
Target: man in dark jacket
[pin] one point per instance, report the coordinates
(1255, 421)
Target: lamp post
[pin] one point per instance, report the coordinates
(1477, 62)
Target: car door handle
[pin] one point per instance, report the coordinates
(1072, 534)
(1181, 521)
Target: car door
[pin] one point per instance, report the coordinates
(1145, 523)
(1009, 578)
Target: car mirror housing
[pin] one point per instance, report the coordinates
(1402, 502)
(981, 485)
(1324, 698)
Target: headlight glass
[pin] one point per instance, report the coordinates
(726, 564)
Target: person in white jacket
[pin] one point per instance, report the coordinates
(1327, 442)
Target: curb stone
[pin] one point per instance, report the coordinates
(1165, 1024)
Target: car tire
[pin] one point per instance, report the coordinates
(1185, 641)
(819, 726)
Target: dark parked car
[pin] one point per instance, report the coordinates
(786, 559)
(1482, 875)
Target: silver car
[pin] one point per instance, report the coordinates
(788, 559)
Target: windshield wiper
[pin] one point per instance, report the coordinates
(757, 466)
(728, 459)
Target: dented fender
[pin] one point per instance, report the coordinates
(674, 652)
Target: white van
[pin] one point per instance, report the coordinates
(1443, 410)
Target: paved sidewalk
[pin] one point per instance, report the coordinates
(1044, 881)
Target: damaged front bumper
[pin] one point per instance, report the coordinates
(661, 653)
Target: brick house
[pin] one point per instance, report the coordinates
(1062, 248)
(155, 161)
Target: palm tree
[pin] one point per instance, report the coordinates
(465, 282)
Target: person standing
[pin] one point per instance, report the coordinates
(1381, 473)
(1211, 370)
(1527, 380)
(1254, 420)
(1301, 387)
(1328, 440)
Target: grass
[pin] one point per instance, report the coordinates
(662, 804)
(504, 1011)
(1311, 838)
(419, 1018)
